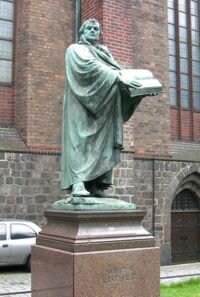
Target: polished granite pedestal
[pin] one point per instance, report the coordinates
(95, 254)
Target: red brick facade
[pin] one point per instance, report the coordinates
(137, 36)
(115, 17)
(135, 32)
(152, 122)
(91, 9)
(185, 125)
(7, 93)
(7, 106)
(42, 34)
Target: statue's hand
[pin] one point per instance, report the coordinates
(128, 83)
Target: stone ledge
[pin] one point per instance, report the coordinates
(10, 140)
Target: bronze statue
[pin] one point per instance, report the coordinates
(97, 102)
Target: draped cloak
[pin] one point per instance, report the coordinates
(95, 108)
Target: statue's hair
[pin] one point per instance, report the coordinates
(92, 20)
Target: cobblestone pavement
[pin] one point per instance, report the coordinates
(17, 280)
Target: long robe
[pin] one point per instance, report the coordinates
(95, 109)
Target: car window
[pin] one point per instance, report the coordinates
(19, 231)
(2, 231)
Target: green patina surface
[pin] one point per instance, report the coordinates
(94, 112)
(96, 105)
(92, 203)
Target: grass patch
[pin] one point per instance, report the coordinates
(190, 288)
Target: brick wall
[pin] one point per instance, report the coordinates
(185, 124)
(117, 26)
(21, 69)
(136, 33)
(7, 106)
(91, 9)
(115, 17)
(137, 36)
(196, 125)
(30, 183)
(43, 33)
(7, 93)
(150, 51)
(154, 185)
(175, 123)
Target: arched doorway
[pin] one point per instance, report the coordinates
(185, 224)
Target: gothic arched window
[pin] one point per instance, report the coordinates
(185, 200)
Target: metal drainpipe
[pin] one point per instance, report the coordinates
(78, 18)
(153, 197)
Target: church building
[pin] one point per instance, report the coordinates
(160, 163)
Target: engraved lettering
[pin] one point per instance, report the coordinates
(119, 274)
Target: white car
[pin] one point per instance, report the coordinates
(16, 239)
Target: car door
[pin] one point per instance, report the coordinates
(4, 245)
(22, 237)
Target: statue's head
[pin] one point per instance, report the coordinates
(91, 30)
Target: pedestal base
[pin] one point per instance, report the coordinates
(95, 254)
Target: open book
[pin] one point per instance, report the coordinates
(149, 85)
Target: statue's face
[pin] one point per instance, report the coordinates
(92, 32)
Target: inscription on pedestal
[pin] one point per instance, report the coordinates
(77, 256)
(119, 274)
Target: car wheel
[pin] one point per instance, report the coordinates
(28, 264)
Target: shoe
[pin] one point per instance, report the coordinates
(78, 190)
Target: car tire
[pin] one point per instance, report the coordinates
(28, 264)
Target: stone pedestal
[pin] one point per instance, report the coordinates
(95, 254)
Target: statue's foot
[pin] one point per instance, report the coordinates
(78, 190)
